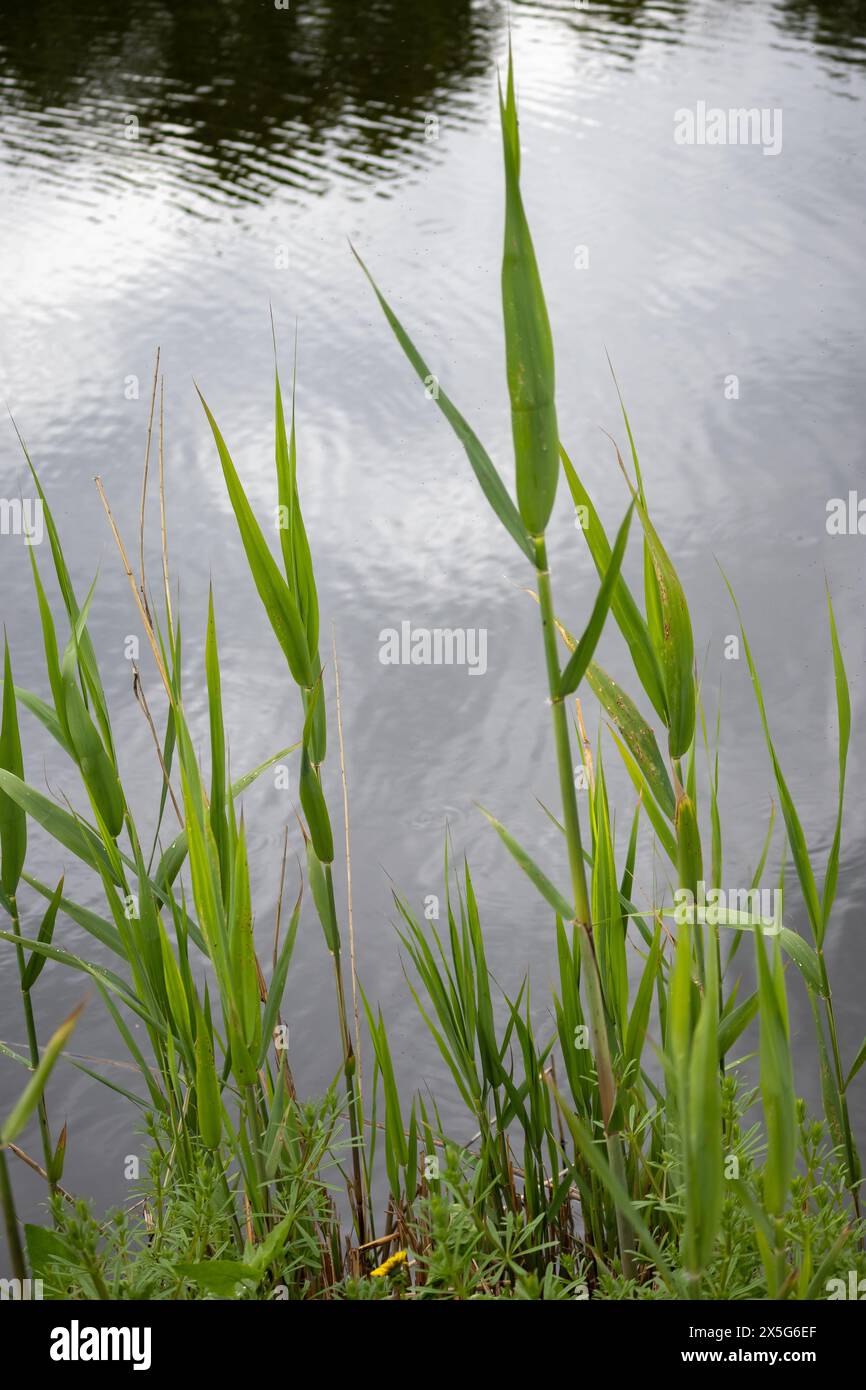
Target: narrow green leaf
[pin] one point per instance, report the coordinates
(528, 344)
(220, 1277)
(13, 821)
(657, 820)
(639, 1017)
(531, 869)
(670, 629)
(675, 649)
(805, 958)
(277, 985)
(689, 854)
(97, 768)
(316, 810)
(705, 1178)
(273, 590)
(843, 707)
(581, 657)
(49, 641)
(297, 560)
(63, 827)
(207, 1086)
(242, 951)
(796, 838)
(734, 1024)
(35, 964)
(625, 610)
(777, 1084)
(637, 734)
(174, 856)
(856, 1064)
(490, 482)
(46, 716)
(32, 1093)
(218, 822)
(323, 897)
(84, 646)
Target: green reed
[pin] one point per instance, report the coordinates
(620, 1163)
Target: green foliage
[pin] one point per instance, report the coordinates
(617, 1151)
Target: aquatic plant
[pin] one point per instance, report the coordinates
(597, 1165)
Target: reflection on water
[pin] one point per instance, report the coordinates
(836, 27)
(259, 129)
(230, 99)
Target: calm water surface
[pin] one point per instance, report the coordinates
(263, 140)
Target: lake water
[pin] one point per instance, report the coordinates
(169, 169)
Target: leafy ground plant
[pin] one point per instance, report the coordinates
(623, 1152)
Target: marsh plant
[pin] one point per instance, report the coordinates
(623, 1154)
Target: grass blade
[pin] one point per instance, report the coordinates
(482, 466)
(13, 820)
(583, 653)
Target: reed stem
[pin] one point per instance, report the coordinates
(851, 1156)
(583, 917)
(33, 1045)
(349, 1069)
(7, 1201)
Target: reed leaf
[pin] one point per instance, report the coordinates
(13, 821)
(46, 716)
(277, 986)
(207, 1086)
(280, 606)
(704, 1173)
(531, 869)
(625, 610)
(528, 344)
(796, 837)
(643, 788)
(777, 1080)
(35, 964)
(670, 629)
(32, 1093)
(843, 707)
(735, 1023)
(482, 466)
(583, 653)
(323, 897)
(96, 766)
(67, 829)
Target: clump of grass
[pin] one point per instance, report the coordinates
(177, 1240)
(597, 1169)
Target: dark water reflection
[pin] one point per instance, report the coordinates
(264, 139)
(837, 28)
(233, 100)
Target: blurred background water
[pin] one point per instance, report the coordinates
(170, 168)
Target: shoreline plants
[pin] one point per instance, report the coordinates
(624, 1154)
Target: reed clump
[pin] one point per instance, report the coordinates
(624, 1153)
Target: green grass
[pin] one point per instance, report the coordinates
(638, 1165)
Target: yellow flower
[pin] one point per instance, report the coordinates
(391, 1263)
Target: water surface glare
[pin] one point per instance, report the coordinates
(169, 170)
